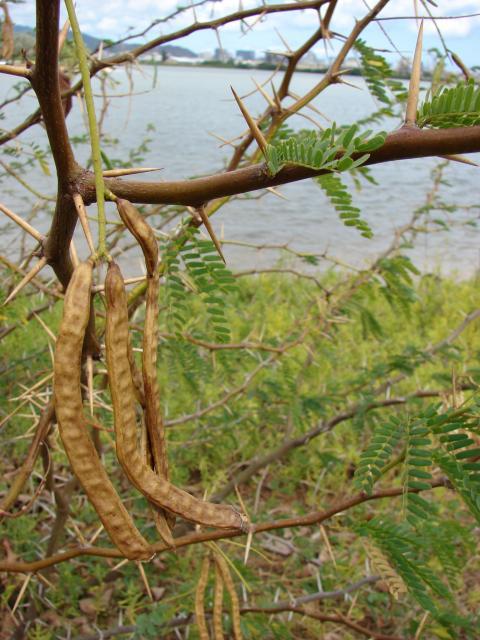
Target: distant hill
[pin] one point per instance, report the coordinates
(93, 43)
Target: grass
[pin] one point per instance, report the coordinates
(337, 363)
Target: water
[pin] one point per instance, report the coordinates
(183, 106)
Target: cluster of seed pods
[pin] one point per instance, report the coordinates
(147, 467)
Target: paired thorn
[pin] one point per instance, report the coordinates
(252, 125)
(22, 223)
(82, 215)
(30, 275)
(414, 87)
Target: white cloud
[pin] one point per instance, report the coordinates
(112, 18)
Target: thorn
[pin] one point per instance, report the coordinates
(349, 84)
(284, 42)
(264, 94)
(206, 221)
(461, 159)
(90, 382)
(415, 9)
(98, 288)
(82, 215)
(145, 580)
(45, 327)
(116, 173)
(22, 223)
(30, 275)
(224, 141)
(252, 125)
(195, 19)
(275, 96)
(62, 36)
(341, 72)
(310, 106)
(74, 255)
(91, 542)
(414, 88)
(248, 546)
(21, 593)
(276, 193)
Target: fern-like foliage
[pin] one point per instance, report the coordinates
(378, 453)
(451, 107)
(341, 200)
(397, 284)
(418, 461)
(331, 149)
(459, 454)
(195, 267)
(378, 76)
(402, 549)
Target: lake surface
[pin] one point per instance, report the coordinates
(183, 106)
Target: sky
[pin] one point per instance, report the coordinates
(114, 18)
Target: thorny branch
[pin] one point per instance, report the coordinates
(215, 189)
(312, 518)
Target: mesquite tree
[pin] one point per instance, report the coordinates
(267, 390)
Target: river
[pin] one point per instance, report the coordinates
(179, 108)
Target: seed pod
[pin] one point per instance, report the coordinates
(234, 602)
(72, 425)
(217, 605)
(156, 442)
(200, 600)
(136, 377)
(142, 231)
(155, 488)
(153, 413)
(7, 33)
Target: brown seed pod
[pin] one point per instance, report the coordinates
(217, 605)
(72, 425)
(7, 33)
(200, 600)
(142, 231)
(234, 602)
(136, 377)
(156, 442)
(153, 414)
(155, 488)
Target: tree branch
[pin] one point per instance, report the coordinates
(314, 517)
(403, 144)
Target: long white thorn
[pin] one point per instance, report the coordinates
(414, 87)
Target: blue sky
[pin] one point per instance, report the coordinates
(112, 18)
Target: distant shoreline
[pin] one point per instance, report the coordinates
(262, 66)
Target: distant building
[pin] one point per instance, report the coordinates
(245, 55)
(273, 57)
(222, 55)
(309, 60)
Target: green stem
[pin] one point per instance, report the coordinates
(92, 125)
